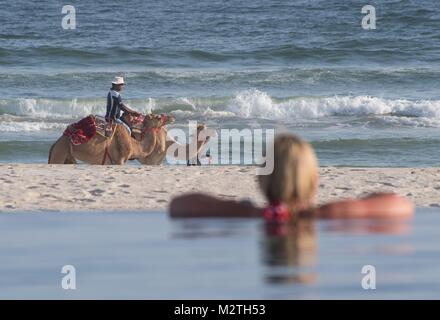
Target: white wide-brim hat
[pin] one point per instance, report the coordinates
(118, 80)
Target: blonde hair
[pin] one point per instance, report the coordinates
(294, 178)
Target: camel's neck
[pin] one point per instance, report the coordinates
(200, 145)
(145, 146)
(136, 148)
(193, 152)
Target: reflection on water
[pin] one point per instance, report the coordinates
(359, 227)
(289, 251)
(202, 228)
(147, 255)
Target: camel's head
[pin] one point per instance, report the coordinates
(157, 120)
(200, 127)
(204, 134)
(168, 118)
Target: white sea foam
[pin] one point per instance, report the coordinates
(254, 103)
(26, 126)
(248, 104)
(51, 108)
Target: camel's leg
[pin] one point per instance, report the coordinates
(155, 158)
(119, 162)
(118, 153)
(114, 158)
(70, 160)
(60, 151)
(194, 161)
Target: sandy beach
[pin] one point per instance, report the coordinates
(146, 188)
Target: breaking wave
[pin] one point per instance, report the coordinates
(46, 114)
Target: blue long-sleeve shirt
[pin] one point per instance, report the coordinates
(114, 105)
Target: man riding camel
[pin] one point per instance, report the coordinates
(115, 107)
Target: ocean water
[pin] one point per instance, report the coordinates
(147, 255)
(362, 97)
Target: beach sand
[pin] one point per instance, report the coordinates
(43, 187)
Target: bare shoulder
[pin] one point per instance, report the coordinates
(378, 205)
(203, 205)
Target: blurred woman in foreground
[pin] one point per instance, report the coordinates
(290, 191)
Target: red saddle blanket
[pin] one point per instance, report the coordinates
(81, 131)
(134, 122)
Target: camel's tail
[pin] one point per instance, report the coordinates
(50, 152)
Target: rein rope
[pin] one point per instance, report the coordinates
(106, 155)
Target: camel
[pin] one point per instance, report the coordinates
(163, 143)
(116, 151)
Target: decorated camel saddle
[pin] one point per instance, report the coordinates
(134, 122)
(82, 131)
